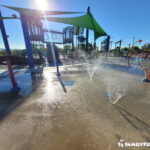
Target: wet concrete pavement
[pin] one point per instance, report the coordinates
(47, 118)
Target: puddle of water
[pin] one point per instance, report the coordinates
(69, 83)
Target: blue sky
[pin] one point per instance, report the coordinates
(122, 19)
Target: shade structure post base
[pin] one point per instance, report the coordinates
(146, 80)
(15, 89)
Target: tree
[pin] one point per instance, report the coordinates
(60, 50)
(3, 52)
(125, 49)
(146, 46)
(134, 48)
(13, 52)
(82, 46)
(67, 48)
(90, 47)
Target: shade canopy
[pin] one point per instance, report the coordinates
(85, 21)
(36, 12)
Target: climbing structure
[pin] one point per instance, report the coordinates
(33, 31)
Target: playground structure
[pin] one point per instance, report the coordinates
(147, 73)
(4, 35)
(118, 45)
(135, 42)
(34, 34)
(105, 44)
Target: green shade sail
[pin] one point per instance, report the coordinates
(36, 12)
(85, 21)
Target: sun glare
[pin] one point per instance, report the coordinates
(42, 4)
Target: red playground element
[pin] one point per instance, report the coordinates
(13, 81)
(140, 41)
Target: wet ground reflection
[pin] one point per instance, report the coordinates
(83, 118)
(28, 81)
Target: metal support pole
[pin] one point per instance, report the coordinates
(78, 41)
(73, 42)
(128, 55)
(107, 43)
(4, 35)
(87, 39)
(57, 67)
(27, 40)
(120, 47)
(95, 45)
(87, 32)
(13, 81)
